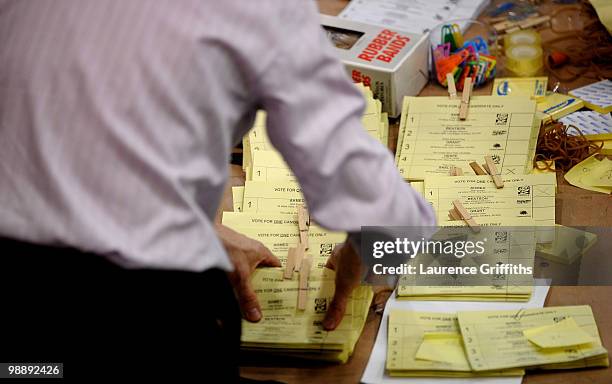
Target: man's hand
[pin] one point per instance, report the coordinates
(246, 254)
(347, 264)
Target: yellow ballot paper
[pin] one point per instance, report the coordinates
(280, 238)
(523, 196)
(374, 121)
(276, 222)
(429, 344)
(593, 174)
(256, 140)
(270, 166)
(282, 197)
(565, 333)
(237, 196)
(496, 339)
(285, 330)
(418, 186)
(435, 139)
(475, 277)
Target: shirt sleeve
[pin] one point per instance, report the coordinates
(314, 114)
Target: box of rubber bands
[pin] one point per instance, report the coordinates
(391, 62)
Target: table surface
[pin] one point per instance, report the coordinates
(575, 207)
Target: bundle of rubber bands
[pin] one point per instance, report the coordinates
(557, 146)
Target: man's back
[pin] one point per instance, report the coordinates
(117, 118)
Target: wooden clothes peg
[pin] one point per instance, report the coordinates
(484, 166)
(303, 225)
(303, 283)
(466, 216)
(454, 215)
(452, 89)
(465, 98)
(300, 254)
(290, 266)
(477, 169)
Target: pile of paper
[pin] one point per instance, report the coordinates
(270, 217)
(279, 232)
(514, 243)
(430, 344)
(417, 16)
(266, 209)
(287, 331)
(596, 96)
(432, 139)
(593, 125)
(492, 343)
(261, 162)
(523, 197)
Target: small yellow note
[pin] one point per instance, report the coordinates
(565, 333)
(590, 173)
(445, 347)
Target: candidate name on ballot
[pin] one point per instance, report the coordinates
(432, 138)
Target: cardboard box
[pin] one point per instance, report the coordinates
(391, 62)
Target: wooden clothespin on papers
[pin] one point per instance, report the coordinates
(303, 225)
(303, 283)
(465, 216)
(454, 215)
(492, 169)
(295, 256)
(290, 266)
(452, 89)
(465, 98)
(303, 263)
(477, 169)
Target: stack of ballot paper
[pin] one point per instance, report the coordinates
(261, 162)
(492, 343)
(279, 232)
(512, 244)
(524, 197)
(432, 138)
(287, 331)
(284, 328)
(266, 209)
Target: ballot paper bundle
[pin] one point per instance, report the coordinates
(523, 197)
(502, 272)
(268, 212)
(279, 232)
(261, 161)
(432, 139)
(287, 331)
(492, 343)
